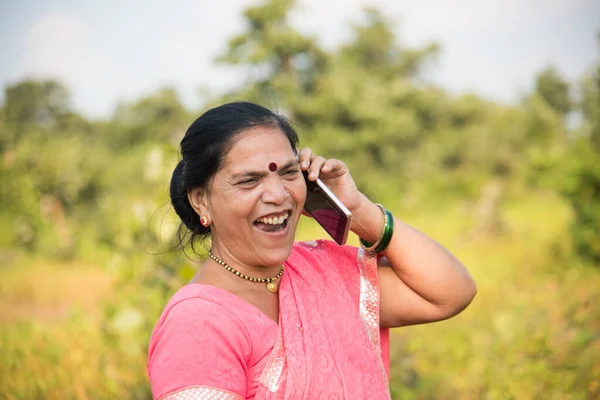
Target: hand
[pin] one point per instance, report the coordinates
(334, 174)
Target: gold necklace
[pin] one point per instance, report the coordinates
(271, 282)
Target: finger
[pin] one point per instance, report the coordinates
(315, 167)
(305, 157)
(333, 166)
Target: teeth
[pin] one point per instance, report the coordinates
(273, 221)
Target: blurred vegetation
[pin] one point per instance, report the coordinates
(513, 190)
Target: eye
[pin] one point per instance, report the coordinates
(249, 181)
(291, 172)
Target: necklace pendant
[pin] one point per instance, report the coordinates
(272, 287)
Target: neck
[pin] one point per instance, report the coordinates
(223, 254)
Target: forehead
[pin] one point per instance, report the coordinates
(258, 147)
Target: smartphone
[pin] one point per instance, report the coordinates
(327, 210)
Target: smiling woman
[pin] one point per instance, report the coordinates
(265, 317)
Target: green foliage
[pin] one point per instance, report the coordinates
(375, 48)
(528, 334)
(32, 103)
(158, 118)
(551, 87)
(590, 106)
(282, 61)
(581, 184)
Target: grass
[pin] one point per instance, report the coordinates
(51, 342)
(532, 331)
(50, 292)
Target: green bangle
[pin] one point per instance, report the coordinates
(387, 235)
(387, 231)
(368, 247)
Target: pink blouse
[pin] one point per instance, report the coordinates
(211, 344)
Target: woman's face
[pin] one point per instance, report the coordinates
(255, 200)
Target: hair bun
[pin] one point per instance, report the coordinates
(176, 189)
(181, 203)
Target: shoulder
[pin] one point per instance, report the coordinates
(197, 313)
(196, 340)
(196, 303)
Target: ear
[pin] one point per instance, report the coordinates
(199, 201)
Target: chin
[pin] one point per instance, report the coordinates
(276, 250)
(277, 256)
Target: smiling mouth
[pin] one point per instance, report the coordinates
(273, 223)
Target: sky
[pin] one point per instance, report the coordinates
(121, 50)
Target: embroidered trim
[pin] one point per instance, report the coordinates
(272, 375)
(369, 297)
(369, 303)
(311, 243)
(202, 393)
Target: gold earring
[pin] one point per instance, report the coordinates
(204, 221)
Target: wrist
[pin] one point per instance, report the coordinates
(367, 220)
(387, 230)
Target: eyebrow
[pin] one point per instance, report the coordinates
(260, 174)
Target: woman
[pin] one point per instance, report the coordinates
(265, 317)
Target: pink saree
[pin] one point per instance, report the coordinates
(211, 344)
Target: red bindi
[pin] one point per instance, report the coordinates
(272, 167)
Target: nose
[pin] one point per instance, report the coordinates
(275, 191)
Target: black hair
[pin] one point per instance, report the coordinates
(203, 149)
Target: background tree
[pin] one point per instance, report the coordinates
(554, 90)
(590, 104)
(281, 62)
(581, 184)
(31, 104)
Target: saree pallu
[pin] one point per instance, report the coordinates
(211, 344)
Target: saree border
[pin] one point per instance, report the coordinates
(369, 304)
(202, 393)
(274, 370)
(272, 374)
(369, 297)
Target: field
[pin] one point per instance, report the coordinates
(532, 332)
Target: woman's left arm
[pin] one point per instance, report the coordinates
(420, 280)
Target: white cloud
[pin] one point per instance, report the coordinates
(184, 48)
(57, 46)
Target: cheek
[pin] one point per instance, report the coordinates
(234, 205)
(297, 190)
